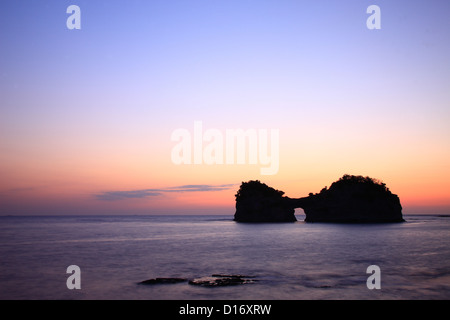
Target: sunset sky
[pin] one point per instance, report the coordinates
(86, 116)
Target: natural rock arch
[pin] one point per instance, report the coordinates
(350, 199)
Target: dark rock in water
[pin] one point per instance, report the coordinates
(217, 280)
(257, 202)
(163, 281)
(350, 199)
(353, 199)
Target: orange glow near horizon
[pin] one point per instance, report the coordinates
(47, 178)
(56, 188)
(87, 116)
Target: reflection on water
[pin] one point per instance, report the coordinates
(289, 260)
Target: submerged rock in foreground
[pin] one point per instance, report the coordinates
(350, 199)
(216, 280)
(163, 281)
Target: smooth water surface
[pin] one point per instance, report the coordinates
(289, 260)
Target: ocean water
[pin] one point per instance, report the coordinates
(290, 261)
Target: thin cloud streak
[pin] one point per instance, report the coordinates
(144, 193)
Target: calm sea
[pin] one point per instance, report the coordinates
(289, 260)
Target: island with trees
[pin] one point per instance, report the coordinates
(350, 199)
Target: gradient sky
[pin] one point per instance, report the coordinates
(86, 116)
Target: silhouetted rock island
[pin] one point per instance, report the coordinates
(350, 199)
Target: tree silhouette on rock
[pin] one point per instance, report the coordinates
(350, 199)
(257, 202)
